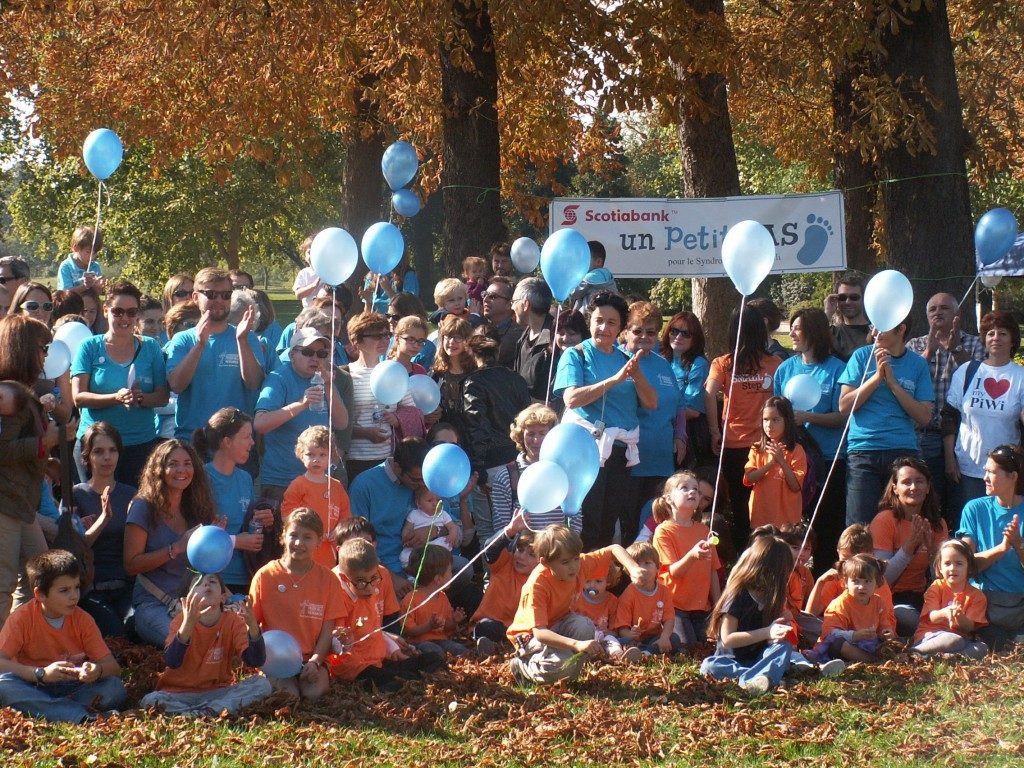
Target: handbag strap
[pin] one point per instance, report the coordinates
(155, 591)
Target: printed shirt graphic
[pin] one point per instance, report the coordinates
(990, 412)
(749, 394)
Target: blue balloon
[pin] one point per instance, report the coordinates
(405, 202)
(748, 255)
(888, 297)
(333, 255)
(399, 164)
(994, 235)
(389, 381)
(564, 261)
(574, 449)
(446, 470)
(542, 487)
(284, 657)
(102, 152)
(209, 549)
(803, 391)
(383, 246)
(425, 392)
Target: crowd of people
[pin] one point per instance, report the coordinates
(817, 545)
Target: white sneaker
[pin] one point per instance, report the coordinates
(519, 672)
(756, 685)
(832, 668)
(631, 655)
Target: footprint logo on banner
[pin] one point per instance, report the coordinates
(816, 238)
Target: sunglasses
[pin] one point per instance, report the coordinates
(32, 306)
(683, 333)
(181, 293)
(414, 341)
(644, 332)
(122, 311)
(392, 318)
(44, 348)
(849, 297)
(319, 353)
(212, 294)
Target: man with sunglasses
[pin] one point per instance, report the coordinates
(497, 301)
(13, 272)
(214, 365)
(845, 308)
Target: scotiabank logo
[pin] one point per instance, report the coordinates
(570, 215)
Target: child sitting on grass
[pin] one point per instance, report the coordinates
(53, 661)
(511, 559)
(204, 642)
(551, 638)
(954, 610)
(857, 622)
(429, 622)
(599, 605)
(644, 617)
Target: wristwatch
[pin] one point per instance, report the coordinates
(40, 673)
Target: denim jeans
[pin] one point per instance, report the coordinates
(152, 623)
(691, 626)
(230, 697)
(774, 663)
(968, 489)
(60, 702)
(867, 472)
(442, 647)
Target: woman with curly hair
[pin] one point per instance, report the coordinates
(173, 500)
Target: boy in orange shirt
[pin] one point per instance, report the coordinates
(954, 610)
(511, 560)
(857, 622)
(428, 620)
(801, 582)
(369, 654)
(644, 617)
(547, 631)
(200, 651)
(53, 661)
(311, 490)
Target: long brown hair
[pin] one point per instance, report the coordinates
(21, 338)
(196, 501)
(929, 509)
(763, 570)
(453, 326)
(696, 330)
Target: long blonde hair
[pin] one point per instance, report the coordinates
(662, 508)
(763, 569)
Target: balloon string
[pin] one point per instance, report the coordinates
(725, 421)
(835, 459)
(329, 387)
(551, 354)
(96, 229)
(968, 292)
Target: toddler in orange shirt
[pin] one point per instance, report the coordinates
(857, 622)
(776, 468)
(644, 617)
(312, 489)
(599, 605)
(428, 620)
(511, 560)
(953, 609)
(203, 643)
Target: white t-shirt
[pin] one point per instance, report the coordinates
(421, 519)
(990, 411)
(305, 277)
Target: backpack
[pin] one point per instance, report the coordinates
(817, 467)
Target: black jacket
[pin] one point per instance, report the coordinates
(492, 397)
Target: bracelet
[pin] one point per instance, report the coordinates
(170, 552)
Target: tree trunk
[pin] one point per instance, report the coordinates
(470, 152)
(422, 231)
(709, 170)
(928, 212)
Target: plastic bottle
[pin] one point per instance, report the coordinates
(318, 381)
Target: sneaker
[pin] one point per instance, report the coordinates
(519, 672)
(756, 685)
(486, 647)
(631, 655)
(832, 668)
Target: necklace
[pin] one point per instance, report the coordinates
(296, 580)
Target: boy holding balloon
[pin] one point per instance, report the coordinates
(80, 271)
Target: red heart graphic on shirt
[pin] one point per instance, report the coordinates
(996, 388)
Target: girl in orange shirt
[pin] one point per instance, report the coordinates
(953, 609)
(858, 621)
(775, 468)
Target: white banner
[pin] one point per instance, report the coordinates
(683, 238)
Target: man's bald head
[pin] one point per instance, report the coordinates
(942, 309)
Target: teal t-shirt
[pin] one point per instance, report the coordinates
(589, 365)
(690, 379)
(232, 494)
(827, 374)
(657, 447)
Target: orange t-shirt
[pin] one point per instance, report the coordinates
(972, 601)
(801, 580)
(672, 540)
(438, 605)
(749, 394)
(503, 591)
(846, 613)
(833, 587)
(364, 616)
(28, 638)
(888, 534)
(772, 501)
(647, 612)
(208, 660)
(547, 599)
(303, 492)
(602, 614)
(299, 605)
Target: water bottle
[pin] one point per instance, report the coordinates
(318, 381)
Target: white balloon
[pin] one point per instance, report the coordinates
(888, 297)
(748, 255)
(525, 255)
(991, 281)
(73, 334)
(58, 359)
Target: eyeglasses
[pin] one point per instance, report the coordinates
(364, 583)
(644, 332)
(683, 333)
(32, 306)
(376, 336)
(212, 294)
(393, 318)
(848, 297)
(122, 311)
(181, 293)
(489, 295)
(413, 340)
(44, 348)
(321, 354)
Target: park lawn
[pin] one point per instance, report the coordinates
(902, 713)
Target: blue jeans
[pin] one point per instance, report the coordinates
(934, 456)
(109, 608)
(152, 623)
(867, 472)
(774, 663)
(968, 489)
(61, 702)
(442, 647)
(651, 646)
(691, 626)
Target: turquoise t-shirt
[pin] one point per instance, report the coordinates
(137, 425)
(880, 423)
(657, 448)
(619, 405)
(232, 494)
(280, 465)
(691, 381)
(217, 382)
(827, 374)
(70, 274)
(984, 520)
